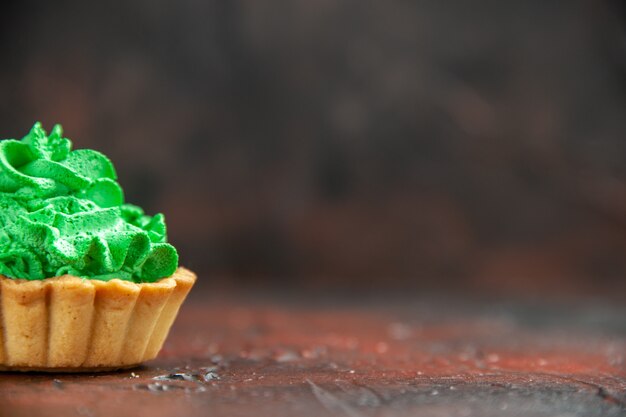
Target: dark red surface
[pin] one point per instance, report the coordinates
(397, 356)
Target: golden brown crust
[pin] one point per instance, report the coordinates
(62, 370)
(70, 324)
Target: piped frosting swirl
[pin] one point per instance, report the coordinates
(63, 212)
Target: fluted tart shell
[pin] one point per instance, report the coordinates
(71, 324)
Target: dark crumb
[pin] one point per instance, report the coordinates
(177, 376)
(210, 376)
(204, 374)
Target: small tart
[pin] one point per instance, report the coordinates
(72, 324)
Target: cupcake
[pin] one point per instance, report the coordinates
(87, 282)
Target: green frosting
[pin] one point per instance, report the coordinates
(63, 212)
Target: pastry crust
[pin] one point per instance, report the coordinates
(71, 324)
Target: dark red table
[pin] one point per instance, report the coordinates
(259, 356)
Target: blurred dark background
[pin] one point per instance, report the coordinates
(324, 144)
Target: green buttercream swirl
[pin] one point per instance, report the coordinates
(63, 212)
